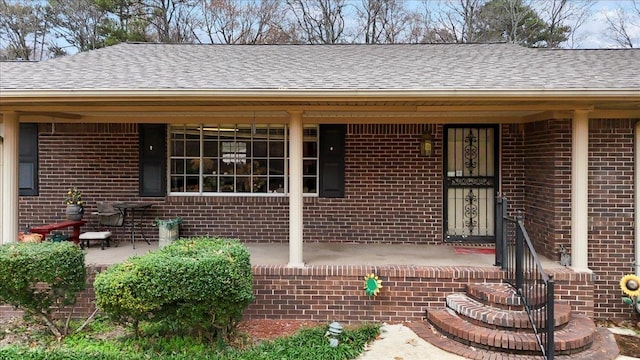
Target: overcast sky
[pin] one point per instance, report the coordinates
(594, 33)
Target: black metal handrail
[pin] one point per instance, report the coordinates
(515, 254)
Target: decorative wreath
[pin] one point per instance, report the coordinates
(372, 285)
(630, 285)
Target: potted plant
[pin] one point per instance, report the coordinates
(169, 230)
(75, 205)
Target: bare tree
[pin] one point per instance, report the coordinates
(172, 21)
(24, 30)
(458, 20)
(621, 25)
(563, 19)
(78, 23)
(320, 21)
(369, 20)
(244, 22)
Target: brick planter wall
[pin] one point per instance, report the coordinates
(328, 293)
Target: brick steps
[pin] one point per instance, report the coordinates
(576, 336)
(490, 319)
(475, 311)
(602, 348)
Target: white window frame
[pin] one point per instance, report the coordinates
(201, 159)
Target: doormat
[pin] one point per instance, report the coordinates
(474, 250)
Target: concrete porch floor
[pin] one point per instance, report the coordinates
(328, 254)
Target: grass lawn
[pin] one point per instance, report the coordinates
(104, 341)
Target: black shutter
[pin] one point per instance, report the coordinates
(332, 140)
(28, 163)
(153, 159)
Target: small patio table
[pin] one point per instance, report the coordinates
(132, 208)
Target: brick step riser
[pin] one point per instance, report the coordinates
(501, 296)
(509, 342)
(493, 317)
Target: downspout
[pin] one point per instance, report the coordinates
(636, 182)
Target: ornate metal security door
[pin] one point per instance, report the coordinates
(471, 182)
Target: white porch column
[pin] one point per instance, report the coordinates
(10, 187)
(579, 190)
(295, 189)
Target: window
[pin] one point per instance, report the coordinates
(28, 166)
(237, 159)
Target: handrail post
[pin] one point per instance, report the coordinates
(519, 256)
(499, 235)
(550, 319)
(505, 232)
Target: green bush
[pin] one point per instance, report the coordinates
(199, 284)
(307, 344)
(38, 278)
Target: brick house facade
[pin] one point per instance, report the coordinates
(392, 193)
(102, 159)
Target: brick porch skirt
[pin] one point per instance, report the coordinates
(336, 292)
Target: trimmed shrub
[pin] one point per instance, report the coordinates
(40, 277)
(200, 284)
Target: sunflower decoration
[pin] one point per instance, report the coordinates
(372, 285)
(630, 285)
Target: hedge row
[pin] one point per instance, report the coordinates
(200, 284)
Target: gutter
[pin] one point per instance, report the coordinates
(324, 94)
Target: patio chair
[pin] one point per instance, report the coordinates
(107, 216)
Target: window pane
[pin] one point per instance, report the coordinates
(260, 149)
(243, 184)
(260, 167)
(193, 184)
(310, 149)
(276, 166)
(177, 184)
(226, 184)
(260, 184)
(177, 166)
(210, 148)
(209, 166)
(193, 166)
(226, 168)
(309, 167)
(309, 185)
(192, 147)
(210, 184)
(276, 149)
(276, 184)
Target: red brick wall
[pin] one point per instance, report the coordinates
(547, 174)
(100, 159)
(513, 165)
(392, 193)
(611, 211)
(328, 293)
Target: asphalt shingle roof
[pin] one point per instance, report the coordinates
(328, 67)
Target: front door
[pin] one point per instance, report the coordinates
(471, 182)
